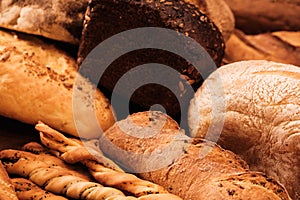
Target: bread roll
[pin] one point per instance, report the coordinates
(58, 20)
(281, 46)
(37, 83)
(7, 190)
(266, 15)
(261, 116)
(190, 170)
(219, 12)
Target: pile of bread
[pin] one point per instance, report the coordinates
(243, 135)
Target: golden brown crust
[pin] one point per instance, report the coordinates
(37, 76)
(55, 178)
(100, 171)
(26, 189)
(7, 190)
(261, 117)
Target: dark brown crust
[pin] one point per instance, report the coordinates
(105, 18)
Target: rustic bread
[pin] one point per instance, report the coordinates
(261, 116)
(7, 190)
(193, 168)
(281, 46)
(175, 15)
(37, 83)
(58, 20)
(219, 12)
(266, 15)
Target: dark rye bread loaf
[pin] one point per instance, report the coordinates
(105, 18)
(193, 170)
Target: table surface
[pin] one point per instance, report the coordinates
(14, 134)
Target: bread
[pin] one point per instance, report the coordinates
(254, 17)
(7, 190)
(187, 168)
(103, 173)
(174, 15)
(219, 12)
(260, 116)
(26, 189)
(37, 83)
(281, 46)
(58, 20)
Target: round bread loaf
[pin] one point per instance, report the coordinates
(151, 144)
(106, 18)
(37, 82)
(261, 117)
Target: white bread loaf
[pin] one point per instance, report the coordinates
(151, 144)
(36, 83)
(261, 119)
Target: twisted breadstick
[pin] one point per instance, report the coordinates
(106, 176)
(55, 178)
(28, 190)
(7, 191)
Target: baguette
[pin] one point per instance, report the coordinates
(261, 119)
(254, 17)
(58, 20)
(281, 46)
(193, 169)
(37, 83)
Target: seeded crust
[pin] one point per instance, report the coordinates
(105, 18)
(261, 117)
(196, 166)
(37, 82)
(7, 190)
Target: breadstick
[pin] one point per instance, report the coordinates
(54, 178)
(106, 176)
(7, 191)
(26, 189)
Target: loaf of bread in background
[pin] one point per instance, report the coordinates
(280, 46)
(266, 15)
(37, 82)
(58, 20)
(261, 116)
(219, 12)
(152, 145)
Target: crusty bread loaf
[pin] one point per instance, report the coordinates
(37, 83)
(7, 190)
(190, 169)
(281, 46)
(58, 20)
(219, 12)
(164, 15)
(261, 119)
(266, 15)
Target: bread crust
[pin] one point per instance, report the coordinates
(7, 190)
(58, 20)
(200, 164)
(37, 83)
(261, 119)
